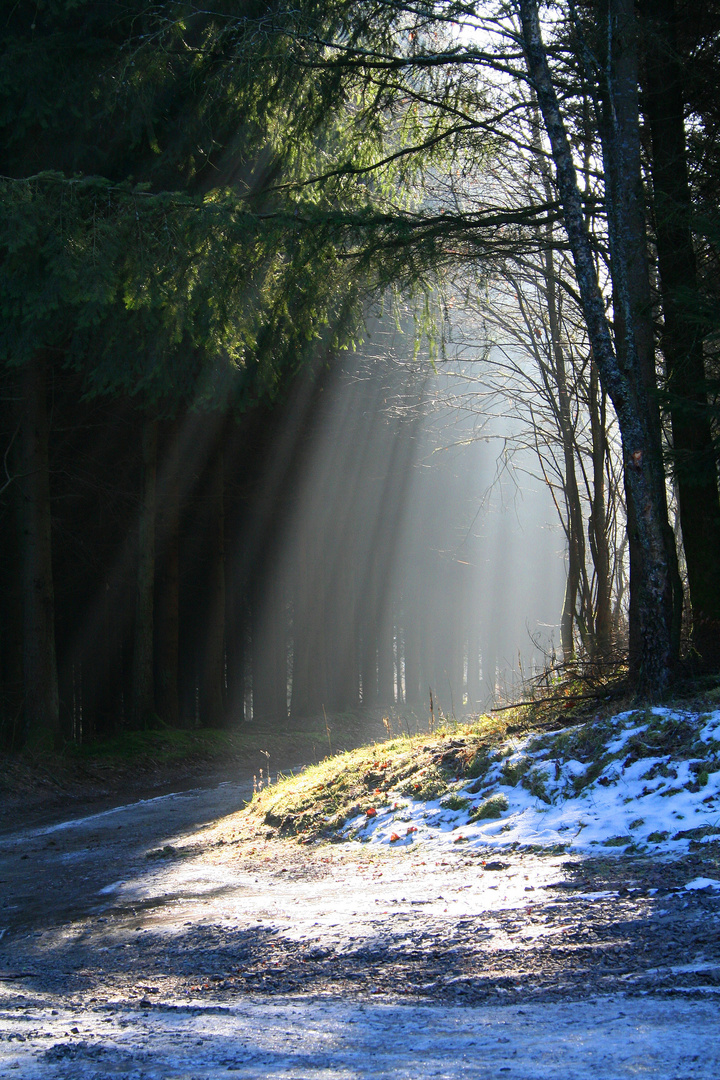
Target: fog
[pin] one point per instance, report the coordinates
(413, 553)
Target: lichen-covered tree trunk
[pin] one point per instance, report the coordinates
(41, 699)
(654, 610)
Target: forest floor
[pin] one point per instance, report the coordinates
(142, 764)
(179, 936)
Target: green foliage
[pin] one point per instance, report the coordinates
(491, 809)
(480, 763)
(454, 802)
(663, 735)
(535, 782)
(139, 241)
(583, 743)
(513, 771)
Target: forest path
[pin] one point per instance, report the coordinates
(157, 940)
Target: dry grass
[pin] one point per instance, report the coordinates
(316, 802)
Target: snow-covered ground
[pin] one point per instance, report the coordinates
(631, 794)
(154, 942)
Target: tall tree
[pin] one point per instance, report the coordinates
(42, 708)
(693, 457)
(625, 367)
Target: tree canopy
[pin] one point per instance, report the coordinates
(196, 203)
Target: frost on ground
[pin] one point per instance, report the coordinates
(633, 783)
(333, 1040)
(177, 938)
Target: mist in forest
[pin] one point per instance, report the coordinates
(374, 537)
(414, 553)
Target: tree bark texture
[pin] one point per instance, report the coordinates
(575, 531)
(41, 709)
(694, 460)
(654, 611)
(598, 519)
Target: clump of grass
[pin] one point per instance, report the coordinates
(492, 808)
(512, 772)
(583, 780)
(663, 736)
(427, 785)
(455, 802)
(166, 852)
(535, 781)
(480, 762)
(585, 743)
(617, 841)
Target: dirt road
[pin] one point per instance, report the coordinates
(162, 940)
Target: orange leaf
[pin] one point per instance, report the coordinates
(371, 812)
(394, 837)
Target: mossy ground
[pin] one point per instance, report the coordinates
(316, 803)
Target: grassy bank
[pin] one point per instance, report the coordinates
(639, 780)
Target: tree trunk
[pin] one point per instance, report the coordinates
(212, 682)
(11, 600)
(384, 638)
(682, 343)
(473, 668)
(42, 709)
(168, 583)
(598, 520)
(413, 695)
(308, 662)
(654, 610)
(269, 649)
(143, 697)
(575, 531)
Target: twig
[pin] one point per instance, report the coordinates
(10, 478)
(327, 728)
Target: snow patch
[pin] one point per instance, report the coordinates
(544, 797)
